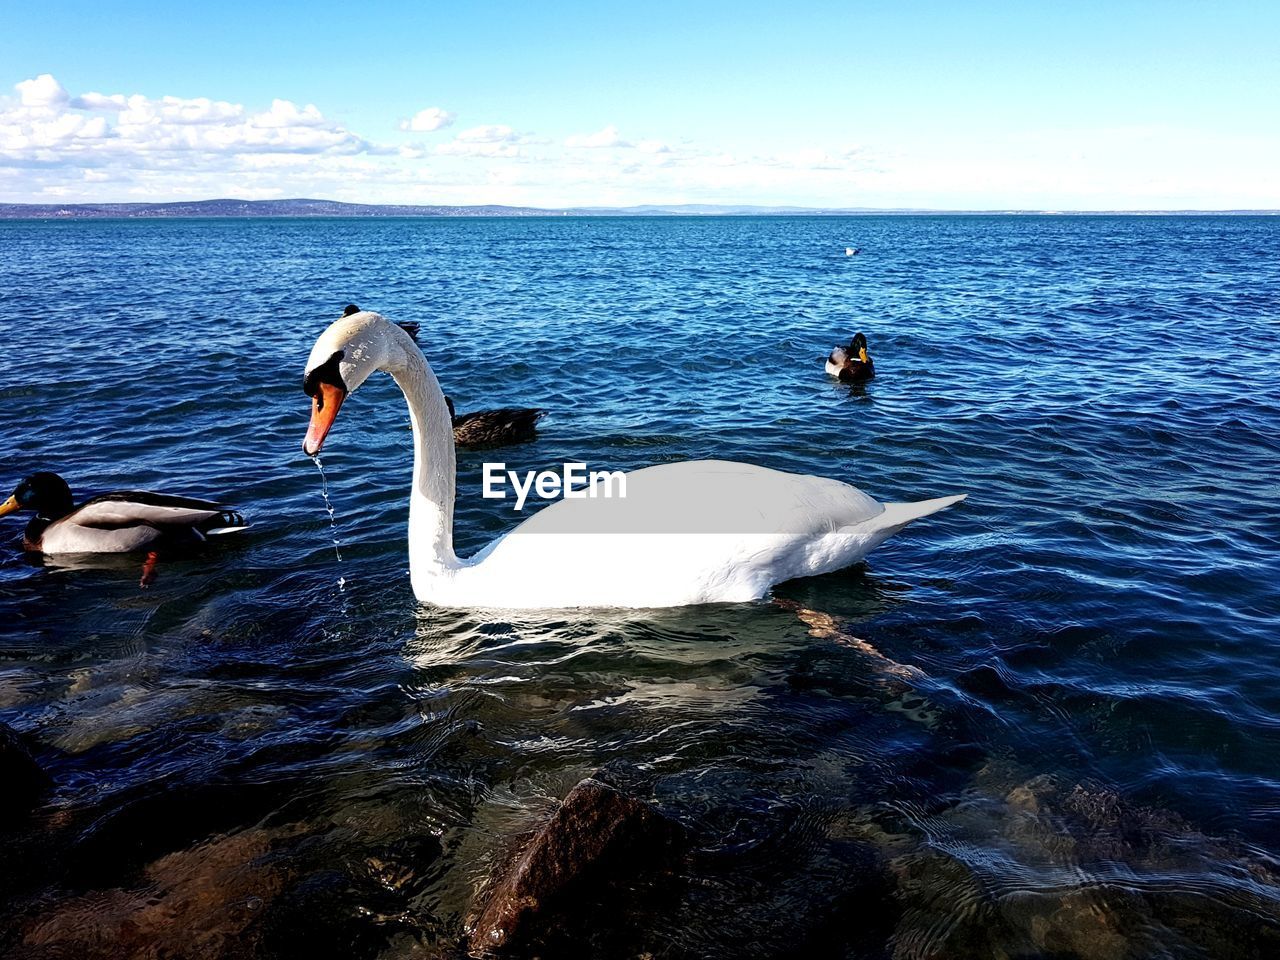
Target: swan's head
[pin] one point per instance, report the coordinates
(342, 359)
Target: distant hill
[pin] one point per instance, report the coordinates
(333, 208)
(251, 208)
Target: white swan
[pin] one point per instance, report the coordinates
(701, 531)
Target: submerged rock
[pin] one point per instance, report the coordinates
(202, 902)
(597, 845)
(23, 780)
(1078, 847)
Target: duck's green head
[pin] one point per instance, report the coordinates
(45, 493)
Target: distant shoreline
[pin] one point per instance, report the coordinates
(304, 208)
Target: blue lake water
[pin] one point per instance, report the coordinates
(1058, 736)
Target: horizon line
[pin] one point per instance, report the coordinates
(655, 209)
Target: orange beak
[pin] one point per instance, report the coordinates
(324, 410)
(9, 506)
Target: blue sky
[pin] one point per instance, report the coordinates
(975, 105)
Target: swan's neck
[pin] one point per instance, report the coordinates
(431, 499)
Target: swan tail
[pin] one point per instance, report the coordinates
(898, 515)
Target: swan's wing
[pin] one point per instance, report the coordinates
(126, 508)
(707, 497)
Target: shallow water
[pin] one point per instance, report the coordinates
(1043, 723)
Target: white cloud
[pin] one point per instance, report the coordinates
(812, 158)
(98, 146)
(464, 148)
(496, 141)
(143, 128)
(100, 101)
(283, 113)
(608, 137)
(139, 111)
(424, 121)
(24, 132)
(43, 91)
(492, 133)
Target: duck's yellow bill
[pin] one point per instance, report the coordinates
(9, 506)
(324, 410)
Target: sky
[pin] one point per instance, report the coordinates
(975, 105)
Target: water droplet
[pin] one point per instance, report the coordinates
(333, 517)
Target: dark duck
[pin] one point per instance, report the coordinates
(119, 522)
(851, 363)
(494, 428)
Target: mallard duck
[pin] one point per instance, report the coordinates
(494, 428)
(851, 364)
(119, 522)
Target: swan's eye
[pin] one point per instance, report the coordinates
(328, 372)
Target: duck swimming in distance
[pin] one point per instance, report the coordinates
(494, 428)
(118, 522)
(851, 364)
(702, 531)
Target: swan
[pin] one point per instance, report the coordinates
(701, 531)
(119, 522)
(851, 364)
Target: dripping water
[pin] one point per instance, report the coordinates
(333, 519)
